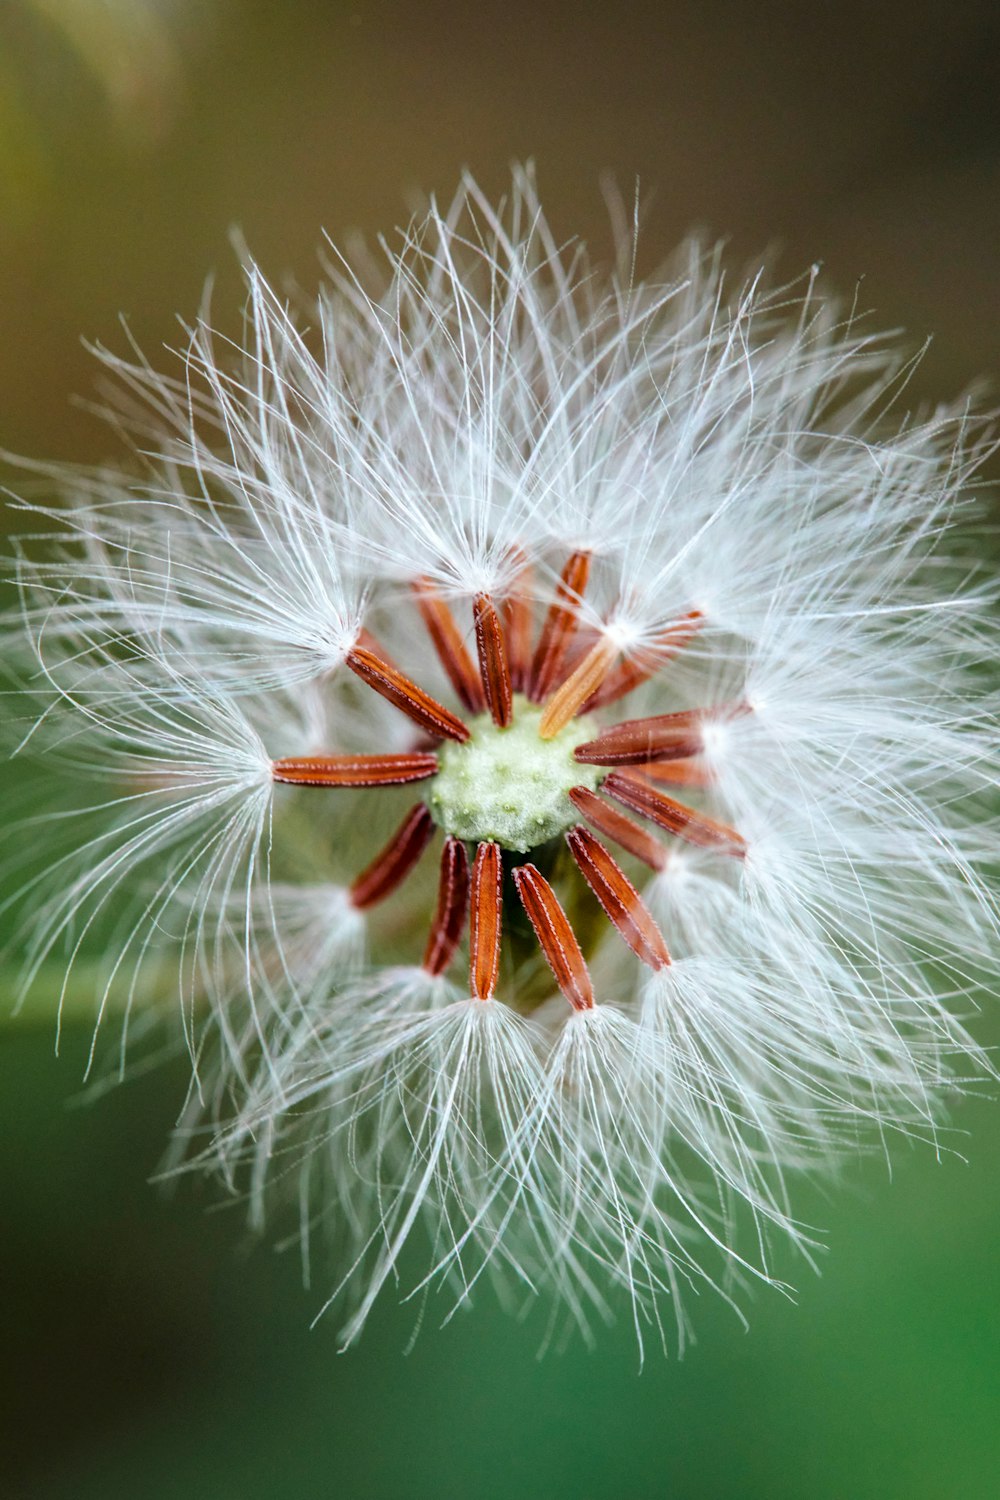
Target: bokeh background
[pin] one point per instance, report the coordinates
(148, 1349)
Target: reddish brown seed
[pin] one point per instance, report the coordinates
(555, 936)
(493, 668)
(631, 789)
(404, 694)
(452, 904)
(390, 867)
(518, 623)
(449, 645)
(635, 741)
(636, 669)
(484, 921)
(679, 772)
(619, 897)
(355, 770)
(560, 623)
(614, 825)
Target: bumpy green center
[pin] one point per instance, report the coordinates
(509, 785)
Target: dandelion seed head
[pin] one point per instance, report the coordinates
(548, 718)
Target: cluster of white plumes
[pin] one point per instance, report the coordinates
(468, 410)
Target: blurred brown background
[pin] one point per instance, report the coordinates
(135, 133)
(147, 1350)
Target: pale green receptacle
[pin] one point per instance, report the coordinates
(509, 785)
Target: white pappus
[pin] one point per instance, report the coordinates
(648, 606)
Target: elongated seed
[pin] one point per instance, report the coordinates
(449, 645)
(634, 741)
(355, 770)
(518, 620)
(615, 825)
(493, 668)
(392, 864)
(396, 687)
(484, 921)
(559, 626)
(566, 701)
(452, 905)
(555, 936)
(629, 788)
(619, 897)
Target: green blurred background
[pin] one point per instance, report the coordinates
(148, 1350)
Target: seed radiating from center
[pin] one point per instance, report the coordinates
(509, 786)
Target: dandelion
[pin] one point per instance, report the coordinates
(640, 608)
